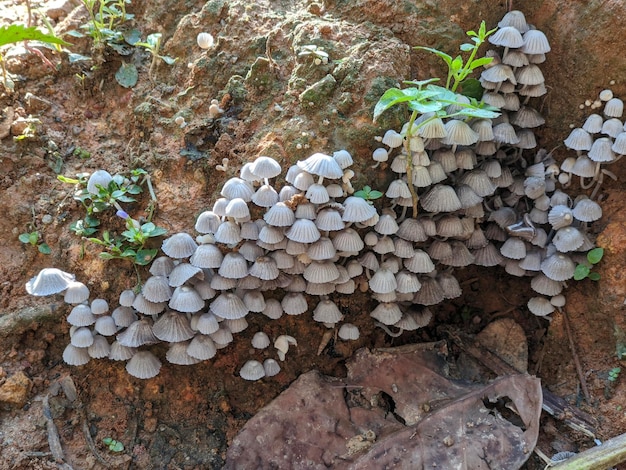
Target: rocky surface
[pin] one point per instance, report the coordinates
(281, 104)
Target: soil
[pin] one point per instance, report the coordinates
(187, 416)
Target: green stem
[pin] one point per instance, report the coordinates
(409, 162)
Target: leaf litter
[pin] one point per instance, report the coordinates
(397, 408)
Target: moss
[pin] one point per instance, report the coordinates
(235, 88)
(260, 76)
(214, 8)
(319, 92)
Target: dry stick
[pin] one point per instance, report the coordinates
(579, 369)
(610, 453)
(552, 404)
(53, 436)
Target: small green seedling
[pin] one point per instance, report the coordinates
(113, 445)
(423, 97)
(583, 271)
(614, 374)
(18, 32)
(153, 45)
(104, 17)
(34, 239)
(368, 194)
(319, 55)
(458, 70)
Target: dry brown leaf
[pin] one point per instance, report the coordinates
(426, 421)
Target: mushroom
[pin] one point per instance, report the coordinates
(143, 365)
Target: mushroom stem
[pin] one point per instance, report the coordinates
(320, 180)
(388, 331)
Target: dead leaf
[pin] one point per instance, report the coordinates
(396, 409)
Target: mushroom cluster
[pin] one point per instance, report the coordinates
(482, 202)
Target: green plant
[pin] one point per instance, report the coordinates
(153, 45)
(614, 374)
(34, 238)
(583, 271)
(131, 242)
(437, 103)
(368, 194)
(105, 16)
(18, 32)
(113, 445)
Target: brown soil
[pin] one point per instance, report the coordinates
(187, 416)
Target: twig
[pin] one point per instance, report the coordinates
(611, 453)
(53, 434)
(579, 369)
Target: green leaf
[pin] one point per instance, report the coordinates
(33, 237)
(157, 232)
(594, 256)
(116, 446)
(428, 107)
(362, 194)
(143, 257)
(154, 40)
(127, 75)
(24, 237)
(594, 276)
(374, 194)
(457, 64)
(65, 179)
(420, 83)
(148, 227)
(18, 32)
(105, 255)
(44, 249)
(581, 272)
(118, 193)
(472, 88)
(480, 62)
(168, 60)
(467, 47)
(132, 37)
(74, 57)
(392, 97)
(447, 59)
(125, 198)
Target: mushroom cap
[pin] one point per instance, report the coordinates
(234, 266)
(182, 273)
(601, 150)
(162, 266)
(420, 262)
(75, 356)
(264, 268)
(327, 311)
(568, 239)
(254, 300)
(105, 325)
(265, 167)
(303, 231)
(614, 108)
(235, 325)
(487, 255)
(387, 313)
(271, 367)
(186, 299)
(201, 347)
(222, 337)
(260, 340)
(593, 123)
(329, 220)
(238, 208)
(252, 370)
(558, 267)
(612, 127)
(440, 198)
(207, 222)
(180, 245)
(507, 36)
(322, 165)
(205, 323)
(499, 73)
(228, 305)
(587, 210)
(479, 181)
(207, 256)
(317, 194)
(177, 354)
(319, 272)
(98, 178)
(516, 19)
(380, 155)
(527, 117)
(124, 316)
(265, 196)
(540, 306)
(126, 298)
(157, 289)
(279, 215)
(513, 248)
(348, 240)
(619, 145)
(578, 139)
(49, 281)
(343, 158)
(535, 42)
(117, 352)
(357, 210)
(81, 337)
(273, 309)
(81, 315)
(143, 305)
(76, 293)
(143, 365)
(584, 167)
(172, 327)
(237, 187)
(137, 334)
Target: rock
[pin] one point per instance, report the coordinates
(6, 118)
(16, 389)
